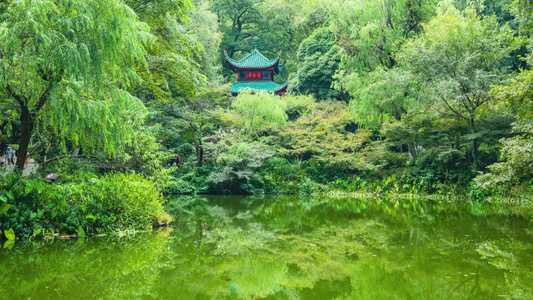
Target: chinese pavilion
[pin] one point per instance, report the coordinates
(256, 73)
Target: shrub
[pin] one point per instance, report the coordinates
(307, 187)
(182, 188)
(89, 203)
(238, 169)
(21, 204)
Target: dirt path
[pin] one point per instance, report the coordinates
(32, 168)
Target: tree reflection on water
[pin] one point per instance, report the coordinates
(290, 248)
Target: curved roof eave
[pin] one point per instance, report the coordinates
(249, 62)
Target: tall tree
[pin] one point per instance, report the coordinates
(370, 34)
(289, 23)
(318, 60)
(70, 62)
(517, 152)
(370, 31)
(205, 27)
(523, 11)
(516, 163)
(240, 21)
(295, 20)
(457, 61)
(171, 67)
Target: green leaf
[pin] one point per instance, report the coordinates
(40, 213)
(10, 234)
(81, 232)
(90, 217)
(4, 208)
(9, 244)
(54, 214)
(10, 195)
(29, 187)
(3, 198)
(36, 231)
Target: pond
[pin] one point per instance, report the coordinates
(291, 248)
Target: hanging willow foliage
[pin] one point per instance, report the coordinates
(70, 63)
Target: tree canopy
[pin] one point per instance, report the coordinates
(69, 64)
(438, 91)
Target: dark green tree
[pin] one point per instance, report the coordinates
(318, 60)
(241, 21)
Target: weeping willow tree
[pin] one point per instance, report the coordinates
(173, 66)
(69, 63)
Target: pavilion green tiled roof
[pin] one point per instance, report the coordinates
(256, 86)
(253, 60)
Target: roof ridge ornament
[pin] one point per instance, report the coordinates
(256, 39)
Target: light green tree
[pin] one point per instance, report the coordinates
(260, 109)
(295, 20)
(371, 31)
(172, 68)
(70, 62)
(516, 157)
(204, 26)
(370, 34)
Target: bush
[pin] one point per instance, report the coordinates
(89, 204)
(193, 181)
(21, 205)
(307, 187)
(238, 171)
(182, 188)
(435, 167)
(281, 176)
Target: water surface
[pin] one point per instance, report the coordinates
(291, 248)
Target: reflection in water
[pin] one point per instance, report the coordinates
(290, 248)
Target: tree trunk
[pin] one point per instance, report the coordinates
(475, 143)
(412, 149)
(27, 124)
(200, 155)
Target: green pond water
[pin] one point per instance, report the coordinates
(291, 248)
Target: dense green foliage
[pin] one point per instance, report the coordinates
(410, 96)
(68, 65)
(260, 110)
(318, 60)
(81, 204)
(403, 121)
